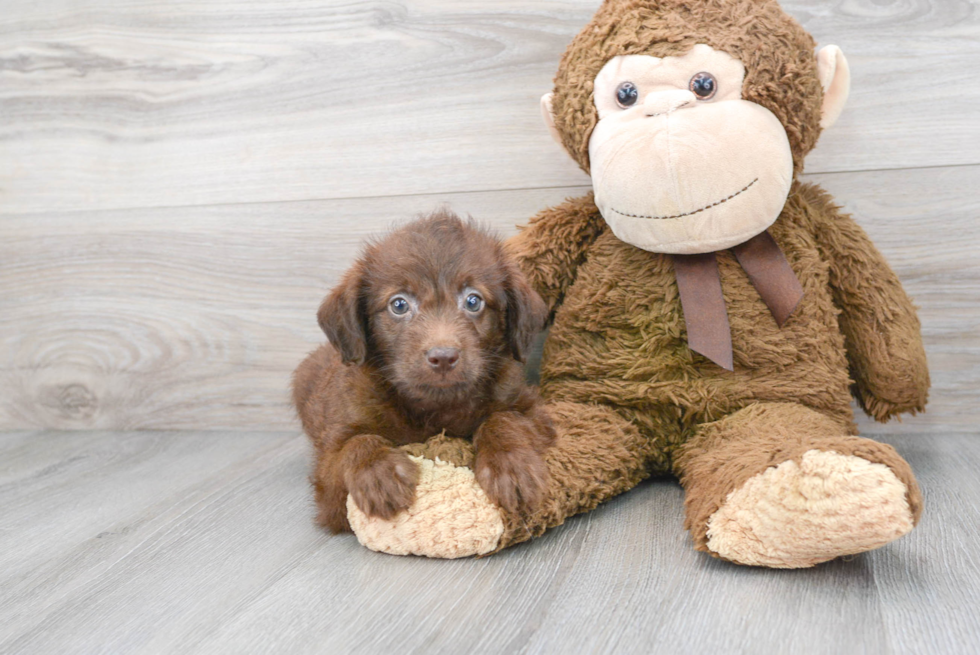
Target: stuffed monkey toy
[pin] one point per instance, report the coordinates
(711, 314)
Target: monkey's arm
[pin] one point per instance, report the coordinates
(553, 245)
(880, 326)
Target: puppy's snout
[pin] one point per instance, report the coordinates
(442, 360)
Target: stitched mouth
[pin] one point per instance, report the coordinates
(696, 211)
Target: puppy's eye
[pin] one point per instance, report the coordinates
(398, 306)
(704, 86)
(626, 94)
(473, 303)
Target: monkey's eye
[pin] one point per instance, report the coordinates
(703, 85)
(473, 303)
(627, 94)
(398, 306)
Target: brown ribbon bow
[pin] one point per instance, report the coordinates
(708, 331)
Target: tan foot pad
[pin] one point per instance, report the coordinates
(796, 515)
(451, 517)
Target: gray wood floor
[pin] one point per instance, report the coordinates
(121, 542)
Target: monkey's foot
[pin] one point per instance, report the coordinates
(798, 514)
(451, 517)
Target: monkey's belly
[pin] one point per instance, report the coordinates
(619, 338)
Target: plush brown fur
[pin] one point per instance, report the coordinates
(628, 397)
(776, 51)
(380, 385)
(619, 340)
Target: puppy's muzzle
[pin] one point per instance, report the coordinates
(442, 360)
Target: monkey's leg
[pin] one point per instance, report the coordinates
(781, 485)
(597, 455)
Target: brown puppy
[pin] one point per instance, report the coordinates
(428, 332)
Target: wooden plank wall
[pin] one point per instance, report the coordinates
(180, 183)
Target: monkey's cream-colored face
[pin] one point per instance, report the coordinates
(680, 162)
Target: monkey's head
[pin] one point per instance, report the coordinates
(693, 116)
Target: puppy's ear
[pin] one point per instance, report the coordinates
(526, 314)
(342, 318)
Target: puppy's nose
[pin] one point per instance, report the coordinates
(442, 360)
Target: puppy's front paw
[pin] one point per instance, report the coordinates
(385, 485)
(515, 480)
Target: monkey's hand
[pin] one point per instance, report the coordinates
(881, 330)
(451, 516)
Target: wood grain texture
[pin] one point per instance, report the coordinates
(177, 543)
(195, 317)
(115, 104)
(183, 318)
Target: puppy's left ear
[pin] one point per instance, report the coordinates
(526, 314)
(342, 318)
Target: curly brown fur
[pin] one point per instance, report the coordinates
(392, 378)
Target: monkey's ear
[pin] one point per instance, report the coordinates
(342, 318)
(526, 314)
(549, 118)
(835, 78)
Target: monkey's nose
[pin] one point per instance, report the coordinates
(442, 360)
(664, 102)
